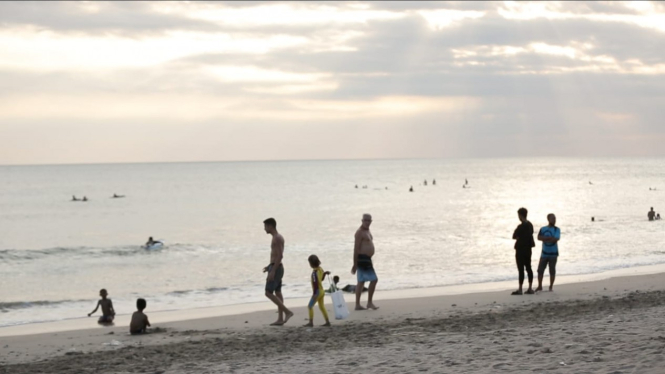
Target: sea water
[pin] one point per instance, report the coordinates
(55, 254)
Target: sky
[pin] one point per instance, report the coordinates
(98, 82)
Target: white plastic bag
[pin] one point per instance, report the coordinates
(339, 304)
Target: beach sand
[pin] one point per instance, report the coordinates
(607, 326)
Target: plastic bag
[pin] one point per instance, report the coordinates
(339, 304)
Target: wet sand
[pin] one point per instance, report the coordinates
(606, 326)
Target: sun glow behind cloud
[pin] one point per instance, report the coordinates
(29, 48)
(442, 18)
(277, 14)
(581, 53)
(649, 16)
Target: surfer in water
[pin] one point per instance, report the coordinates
(152, 242)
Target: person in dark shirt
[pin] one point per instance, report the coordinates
(651, 214)
(523, 236)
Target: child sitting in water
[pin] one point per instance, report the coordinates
(351, 288)
(139, 322)
(108, 313)
(318, 275)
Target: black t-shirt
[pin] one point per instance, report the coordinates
(524, 235)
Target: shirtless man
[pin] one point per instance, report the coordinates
(276, 272)
(363, 250)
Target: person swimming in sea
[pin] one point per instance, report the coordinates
(411, 189)
(84, 199)
(152, 242)
(74, 198)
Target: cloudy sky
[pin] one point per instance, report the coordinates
(88, 82)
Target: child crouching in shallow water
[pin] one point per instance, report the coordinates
(139, 322)
(318, 293)
(108, 313)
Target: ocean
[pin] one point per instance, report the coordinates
(55, 254)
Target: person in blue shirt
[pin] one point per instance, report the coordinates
(550, 236)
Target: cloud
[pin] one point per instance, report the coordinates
(647, 14)
(441, 18)
(428, 79)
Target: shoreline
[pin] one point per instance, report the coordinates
(183, 315)
(399, 332)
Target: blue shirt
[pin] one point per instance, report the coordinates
(550, 249)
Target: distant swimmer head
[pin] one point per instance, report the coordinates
(314, 261)
(593, 219)
(141, 304)
(551, 218)
(522, 213)
(270, 225)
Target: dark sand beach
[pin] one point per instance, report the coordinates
(607, 326)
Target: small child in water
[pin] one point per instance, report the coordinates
(348, 288)
(318, 275)
(108, 313)
(139, 322)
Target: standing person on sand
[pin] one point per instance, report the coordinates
(363, 250)
(523, 236)
(550, 236)
(276, 272)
